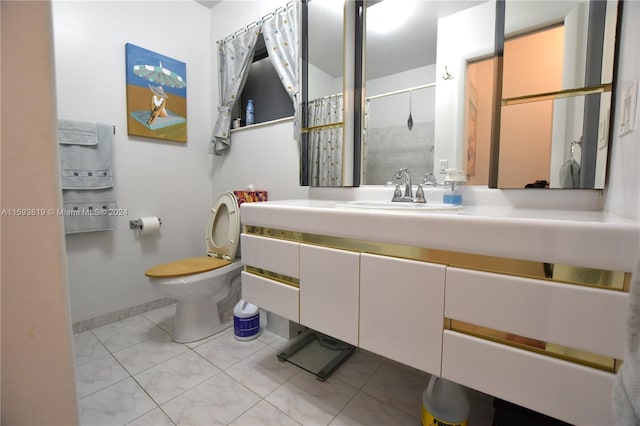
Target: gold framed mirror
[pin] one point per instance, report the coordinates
(556, 93)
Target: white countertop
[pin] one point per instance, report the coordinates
(575, 237)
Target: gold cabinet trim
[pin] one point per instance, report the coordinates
(576, 275)
(564, 353)
(283, 279)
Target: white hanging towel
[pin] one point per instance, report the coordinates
(77, 132)
(570, 174)
(86, 166)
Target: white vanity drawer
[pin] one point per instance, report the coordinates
(274, 255)
(570, 392)
(281, 299)
(578, 317)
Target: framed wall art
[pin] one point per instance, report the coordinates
(471, 129)
(156, 95)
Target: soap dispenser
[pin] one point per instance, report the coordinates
(453, 195)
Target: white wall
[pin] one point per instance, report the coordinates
(265, 156)
(152, 178)
(322, 84)
(462, 37)
(394, 110)
(623, 188)
(564, 129)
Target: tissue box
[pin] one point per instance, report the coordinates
(250, 196)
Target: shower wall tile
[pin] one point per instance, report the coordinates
(387, 149)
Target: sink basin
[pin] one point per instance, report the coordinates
(398, 206)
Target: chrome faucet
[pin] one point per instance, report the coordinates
(404, 172)
(408, 192)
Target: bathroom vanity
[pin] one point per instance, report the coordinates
(527, 305)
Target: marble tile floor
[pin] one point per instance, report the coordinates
(130, 372)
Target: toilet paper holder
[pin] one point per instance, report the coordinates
(137, 223)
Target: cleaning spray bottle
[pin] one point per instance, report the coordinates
(454, 178)
(444, 403)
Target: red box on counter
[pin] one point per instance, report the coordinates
(250, 196)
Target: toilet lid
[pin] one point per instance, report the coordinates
(179, 268)
(223, 232)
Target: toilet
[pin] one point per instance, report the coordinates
(206, 288)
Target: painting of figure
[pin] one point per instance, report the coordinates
(156, 95)
(471, 129)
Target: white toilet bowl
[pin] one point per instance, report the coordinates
(206, 288)
(205, 301)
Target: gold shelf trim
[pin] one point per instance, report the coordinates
(559, 94)
(283, 279)
(576, 356)
(322, 127)
(567, 274)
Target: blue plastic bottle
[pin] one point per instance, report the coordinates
(250, 115)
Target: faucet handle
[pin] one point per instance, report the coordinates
(420, 195)
(430, 179)
(398, 192)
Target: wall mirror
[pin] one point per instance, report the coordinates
(416, 85)
(399, 101)
(465, 73)
(323, 141)
(400, 86)
(557, 77)
(433, 97)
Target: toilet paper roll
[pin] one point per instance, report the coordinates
(150, 225)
